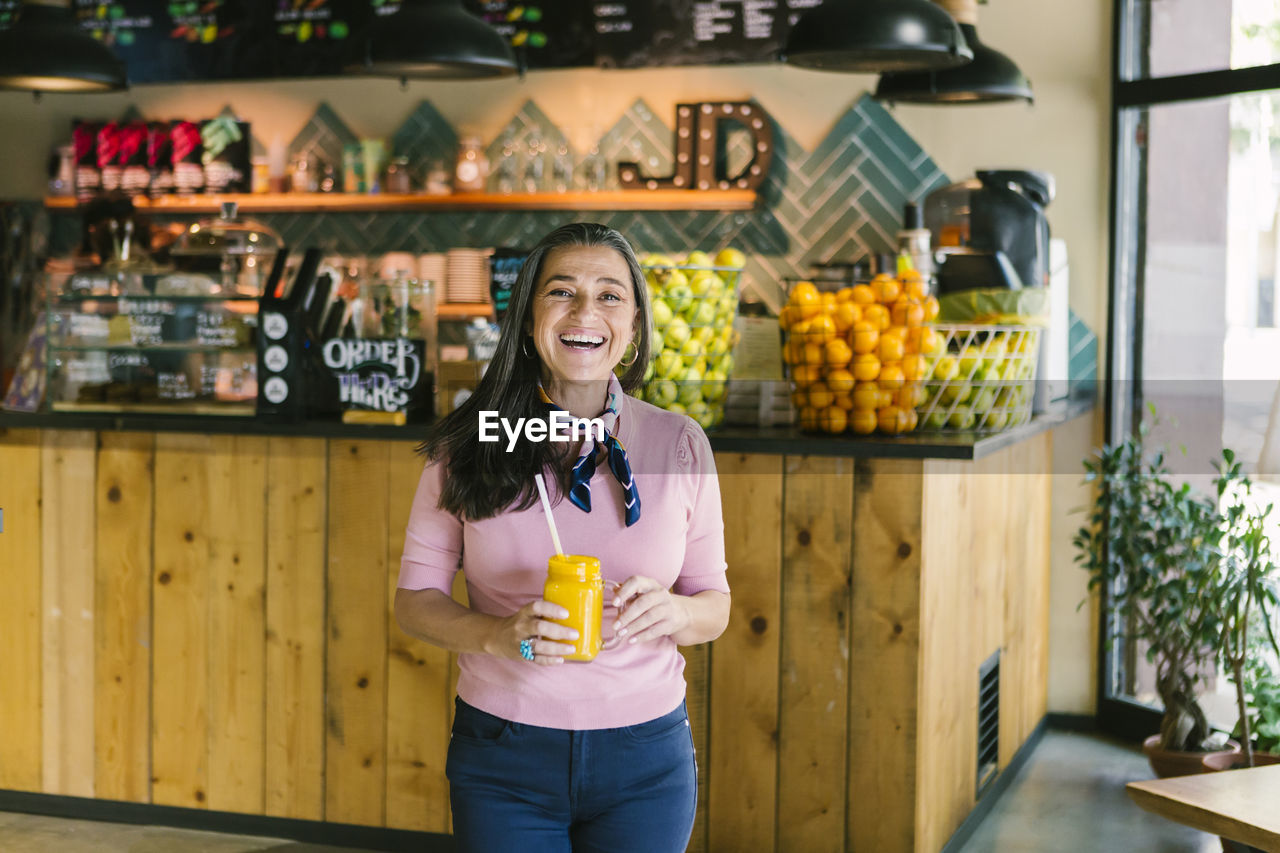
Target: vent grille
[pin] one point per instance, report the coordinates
(988, 721)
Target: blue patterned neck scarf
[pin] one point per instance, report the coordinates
(585, 468)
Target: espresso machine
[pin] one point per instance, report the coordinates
(992, 231)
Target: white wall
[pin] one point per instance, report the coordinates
(1063, 47)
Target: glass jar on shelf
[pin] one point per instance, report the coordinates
(472, 168)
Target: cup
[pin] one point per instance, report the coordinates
(574, 582)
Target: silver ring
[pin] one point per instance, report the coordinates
(526, 648)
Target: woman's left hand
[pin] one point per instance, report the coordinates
(648, 610)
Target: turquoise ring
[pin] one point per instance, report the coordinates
(526, 648)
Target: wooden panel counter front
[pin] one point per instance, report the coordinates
(205, 621)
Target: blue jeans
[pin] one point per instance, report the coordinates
(540, 790)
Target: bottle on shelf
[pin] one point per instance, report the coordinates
(915, 242)
(472, 167)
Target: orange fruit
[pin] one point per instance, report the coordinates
(862, 294)
(909, 396)
(804, 293)
(844, 294)
(886, 396)
(800, 329)
(909, 275)
(891, 348)
(907, 312)
(913, 420)
(930, 341)
(846, 314)
(879, 315)
(863, 422)
(917, 289)
(799, 399)
(822, 328)
(865, 336)
(793, 352)
(828, 302)
(833, 419)
(891, 377)
(814, 354)
(806, 374)
(844, 401)
(915, 367)
(809, 419)
(840, 380)
(787, 316)
(891, 420)
(866, 395)
(886, 288)
(820, 396)
(931, 308)
(809, 309)
(838, 353)
(866, 367)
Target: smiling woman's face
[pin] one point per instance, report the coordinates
(584, 313)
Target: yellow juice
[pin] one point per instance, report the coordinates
(574, 582)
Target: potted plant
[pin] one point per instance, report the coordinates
(1153, 547)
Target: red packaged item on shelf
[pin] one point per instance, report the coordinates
(84, 137)
(135, 176)
(108, 156)
(186, 153)
(159, 158)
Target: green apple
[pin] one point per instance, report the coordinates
(956, 392)
(703, 314)
(676, 333)
(936, 420)
(677, 408)
(988, 375)
(664, 392)
(719, 346)
(690, 392)
(970, 361)
(704, 335)
(997, 420)
(984, 400)
(668, 364)
(714, 385)
(696, 409)
(700, 283)
(946, 368)
(656, 259)
(677, 291)
(723, 364)
(961, 418)
(662, 313)
(692, 350)
(650, 369)
(697, 259)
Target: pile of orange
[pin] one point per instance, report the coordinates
(858, 357)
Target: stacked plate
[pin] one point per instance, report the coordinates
(431, 267)
(467, 275)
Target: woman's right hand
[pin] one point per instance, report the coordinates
(533, 621)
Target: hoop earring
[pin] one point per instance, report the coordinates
(524, 348)
(634, 355)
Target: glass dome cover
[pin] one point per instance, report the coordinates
(227, 235)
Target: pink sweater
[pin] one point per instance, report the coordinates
(678, 541)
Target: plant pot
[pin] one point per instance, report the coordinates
(1172, 762)
(1214, 761)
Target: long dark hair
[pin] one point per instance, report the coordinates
(482, 478)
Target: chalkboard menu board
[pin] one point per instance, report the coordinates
(179, 40)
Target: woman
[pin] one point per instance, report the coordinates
(549, 755)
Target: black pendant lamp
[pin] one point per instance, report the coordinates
(876, 35)
(431, 39)
(46, 51)
(991, 78)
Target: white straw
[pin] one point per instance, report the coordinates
(546, 506)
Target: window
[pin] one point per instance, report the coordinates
(1196, 219)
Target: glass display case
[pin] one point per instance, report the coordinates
(146, 343)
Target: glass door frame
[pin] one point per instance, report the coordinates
(1132, 95)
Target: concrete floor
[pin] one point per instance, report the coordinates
(1069, 798)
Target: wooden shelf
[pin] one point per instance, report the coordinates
(344, 202)
(464, 310)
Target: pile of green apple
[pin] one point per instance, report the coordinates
(983, 385)
(694, 301)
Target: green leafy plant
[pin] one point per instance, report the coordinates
(1153, 547)
(1248, 602)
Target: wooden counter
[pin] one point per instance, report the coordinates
(205, 621)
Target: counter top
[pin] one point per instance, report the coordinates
(728, 439)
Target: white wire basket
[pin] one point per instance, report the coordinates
(982, 379)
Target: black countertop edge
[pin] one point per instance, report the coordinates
(731, 439)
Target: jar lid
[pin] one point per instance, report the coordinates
(227, 235)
